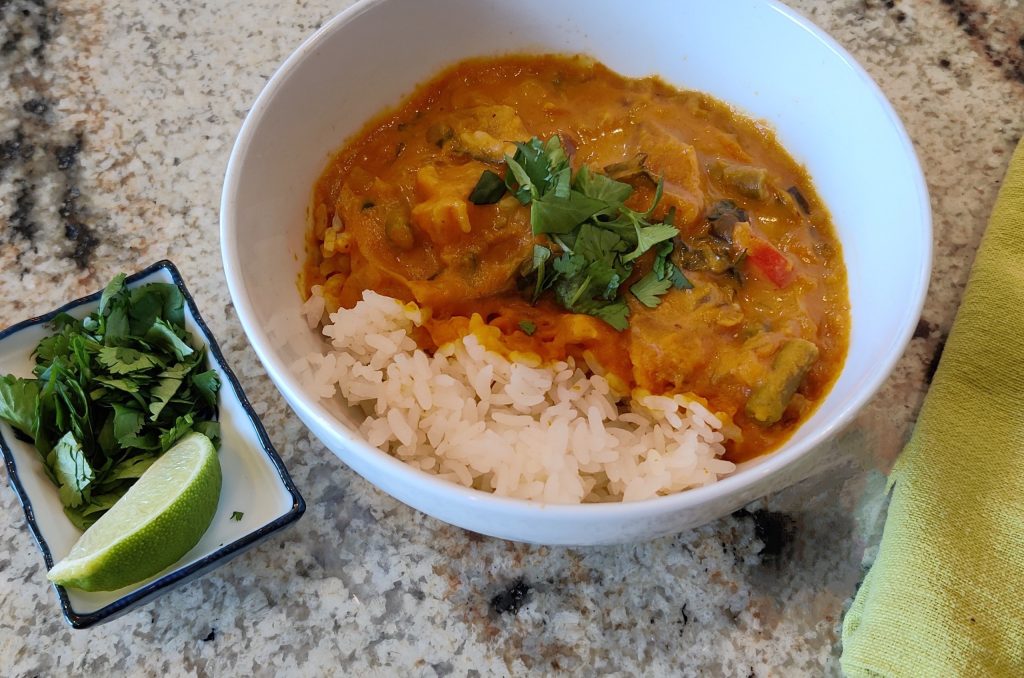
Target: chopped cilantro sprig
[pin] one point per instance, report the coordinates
(111, 393)
(592, 239)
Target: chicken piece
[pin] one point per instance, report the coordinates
(484, 133)
(670, 157)
(680, 339)
(476, 271)
(386, 251)
(750, 361)
(479, 247)
(443, 209)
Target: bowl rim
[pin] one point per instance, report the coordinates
(144, 594)
(733, 484)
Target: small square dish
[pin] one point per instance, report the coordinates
(257, 497)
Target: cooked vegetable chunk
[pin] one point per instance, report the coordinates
(769, 400)
(398, 231)
(629, 169)
(751, 182)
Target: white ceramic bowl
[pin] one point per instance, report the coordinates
(759, 56)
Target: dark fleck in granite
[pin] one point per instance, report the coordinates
(78, 232)
(996, 29)
(36, 107)
(776, 531)
(39, 156)
(923, 329)
(116, 120)
(511, 598)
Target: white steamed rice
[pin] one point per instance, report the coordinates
(551, 433)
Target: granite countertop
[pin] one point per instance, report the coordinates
(116, 121)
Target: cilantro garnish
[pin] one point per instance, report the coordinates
(649, 288)
(592, 240)
(111, 393)
(488, 190)
(527, 327)
(236, 515)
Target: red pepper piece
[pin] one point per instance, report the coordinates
(772, 263)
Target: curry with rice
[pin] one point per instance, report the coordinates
(555, 209)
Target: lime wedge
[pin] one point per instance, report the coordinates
(158, 520)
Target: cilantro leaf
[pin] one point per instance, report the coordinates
(538, 264)
(167, 385)
(182, 425)
(649, 288)
(85, 515)
(601, 187)
(163, 335)
(206, 385)
(540, 255)
(19, 403)
(658, 191)
(112, 317)
(557, 158)
(624, 225)
(527, 327)
(569, 265)
(551, 214)
(488, 190)
(77, 518)
(661, 259)
(604, 279)
(536, 169)
(541, 161)
(533, 159)
(679, 281)
(72, 470)
(128, 385)
(100, 503)
(130, 468)
(174, 303)
(112, 290)
(106, 441)
(524, 189)
(210, 429)
(561, 185)
(615, 314)
(116, 327)
(124, 360)
(594, 244)
(144, 308)
(127, 421)
(236, 515)
(149, 441)
(649, 236)
(63, 321)
(52, 348)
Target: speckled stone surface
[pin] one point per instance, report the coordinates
(116, 120)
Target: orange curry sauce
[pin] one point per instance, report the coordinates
(391, 213)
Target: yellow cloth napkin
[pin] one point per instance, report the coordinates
(945, 596)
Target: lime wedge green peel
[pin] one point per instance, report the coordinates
(161, 517)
